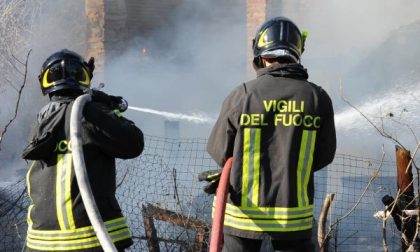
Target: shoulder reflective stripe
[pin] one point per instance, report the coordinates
(245, 166)
(250, 167)
(76, 244)
(109, 225)
(269, 225)
(305, 165)
(269, 212)
(63, 192)
(256, 174)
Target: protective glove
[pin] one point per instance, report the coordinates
(213, 177)
(114, 102)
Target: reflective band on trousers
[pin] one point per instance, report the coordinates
(268, 225)
(251, 167)
(76, 244)
(63, 200)
(304, 168)
(278, 213)
(80, 238)
(77, 233)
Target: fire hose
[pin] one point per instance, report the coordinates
(216, 236)
(82, 176)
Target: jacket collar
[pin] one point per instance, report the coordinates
(294, 71)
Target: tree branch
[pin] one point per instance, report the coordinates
(381, 132)
(18, 100)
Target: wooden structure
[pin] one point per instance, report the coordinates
(152, 213)
(405, 200)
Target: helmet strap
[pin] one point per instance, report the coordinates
(257, 63)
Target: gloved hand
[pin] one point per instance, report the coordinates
(213, 177)
(114, 102)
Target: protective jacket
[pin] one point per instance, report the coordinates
(279, 128)
(57, 219)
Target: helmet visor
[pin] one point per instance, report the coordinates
(280, 35)
(76, 71)
(62, 71)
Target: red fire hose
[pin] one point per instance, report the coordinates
(216, 236)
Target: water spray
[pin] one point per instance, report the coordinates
(194, 118)
(403, 103)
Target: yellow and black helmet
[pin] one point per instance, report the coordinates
(65, 69)
(278, 37)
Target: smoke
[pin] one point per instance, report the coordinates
(357, 41)
(44, 31)
(194, 118)
(189, 64)
(189, 56)
(372, 47)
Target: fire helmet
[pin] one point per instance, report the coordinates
(65, 69)
(278, 37)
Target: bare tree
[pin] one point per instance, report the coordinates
(15, 27)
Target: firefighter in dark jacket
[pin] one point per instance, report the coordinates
(279, 128)
(57, 219)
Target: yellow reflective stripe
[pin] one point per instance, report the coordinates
(29, 219)
(309, 166)
(251, 167)
(108, 224)
(256, 176)
(79, 235)
(269, 212)
(262, 40)
(58, 192)
(300, 166)
(76, 244)
(87, 78)
(117, 113)
(245, 167)
(268, 225)
(63, 192)
(45, 83)
(68, 201)
(213, 176)
(28, 186)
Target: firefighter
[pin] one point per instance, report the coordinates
(279, 128)
(57, 219)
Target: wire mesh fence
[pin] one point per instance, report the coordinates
(164, 203)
